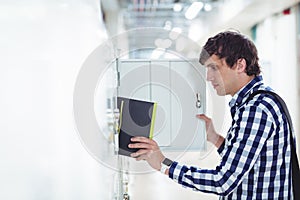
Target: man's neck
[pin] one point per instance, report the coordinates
(245, 81)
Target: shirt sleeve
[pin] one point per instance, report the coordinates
(243, 145)
(221, 148)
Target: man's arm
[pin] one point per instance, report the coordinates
(150, 151)
(242, 151)
(248, 138)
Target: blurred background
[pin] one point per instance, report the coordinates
(43, 45)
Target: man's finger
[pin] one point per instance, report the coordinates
(143, 140)
(140, 153)
(203, 117)
(143, 157)
(139, 146)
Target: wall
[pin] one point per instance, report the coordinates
(276, 39)
(42, 47)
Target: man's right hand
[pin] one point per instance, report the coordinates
(212, 135)
(149, 151)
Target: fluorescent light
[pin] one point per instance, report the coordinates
(193, 10)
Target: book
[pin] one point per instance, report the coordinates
(137, 118)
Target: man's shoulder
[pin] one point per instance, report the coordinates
(265, 101)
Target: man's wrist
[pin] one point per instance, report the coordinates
(163, 169)
(219, 141)
(165, 165)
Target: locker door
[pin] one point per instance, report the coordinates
(187, 79)
(173, 84)
(134, 79)
(147, 81)
(160, 93)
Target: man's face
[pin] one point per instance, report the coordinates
(222, 77)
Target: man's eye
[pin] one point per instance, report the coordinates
(214, 68)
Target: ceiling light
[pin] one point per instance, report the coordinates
(207, 7)
(180, 44)
(177, 7)
(158, 42)
(168, 25)
(157, 53)
(193, 10)
(163, 43)
(174, 33)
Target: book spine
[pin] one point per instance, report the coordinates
(152, 120)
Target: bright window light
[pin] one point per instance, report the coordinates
(193, 10)
(194, 32)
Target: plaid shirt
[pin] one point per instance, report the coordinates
(255, 155)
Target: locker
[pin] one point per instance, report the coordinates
(174, 85)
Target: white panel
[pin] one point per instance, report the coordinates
(187, 79)
(134, 79)
(160, 93)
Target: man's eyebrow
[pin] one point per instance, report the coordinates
(212, 65)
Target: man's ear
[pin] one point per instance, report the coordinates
(241, 65)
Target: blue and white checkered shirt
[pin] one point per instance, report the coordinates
(256, 155)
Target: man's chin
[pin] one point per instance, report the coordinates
(221, 93)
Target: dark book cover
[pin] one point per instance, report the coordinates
(137, 118)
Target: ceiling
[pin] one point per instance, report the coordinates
(122, 15)
(155, 13)
(160, 13)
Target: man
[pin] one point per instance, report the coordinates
(255, 155)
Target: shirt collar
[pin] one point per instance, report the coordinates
(237, 99)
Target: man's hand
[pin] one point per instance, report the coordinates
(212, 135)
(149, 151)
